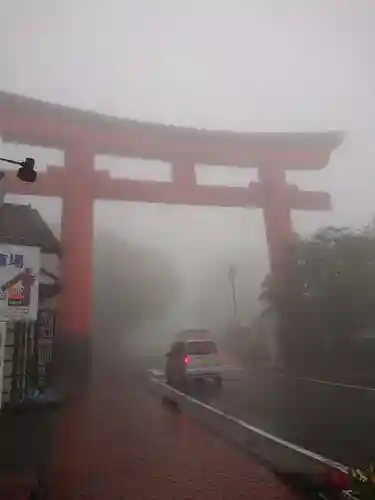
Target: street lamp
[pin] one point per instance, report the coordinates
(26, 172)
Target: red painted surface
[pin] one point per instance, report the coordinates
(76, 236)
(82, 135)
(107, 450)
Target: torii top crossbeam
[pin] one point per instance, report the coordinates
(58, 126)
(84, 134)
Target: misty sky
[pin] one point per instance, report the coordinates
(260, 65)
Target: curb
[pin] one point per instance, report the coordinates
(283, 457)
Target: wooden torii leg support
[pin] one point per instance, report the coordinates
(82, 135)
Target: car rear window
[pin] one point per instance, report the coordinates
(201, 347)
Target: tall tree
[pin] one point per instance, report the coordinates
(325, 294)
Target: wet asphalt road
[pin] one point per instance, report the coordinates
(334, 421)
(337, 422)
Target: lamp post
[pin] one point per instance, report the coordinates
(26, 172)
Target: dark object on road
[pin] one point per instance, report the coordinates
(171, 404)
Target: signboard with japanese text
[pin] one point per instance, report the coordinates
(19, 282)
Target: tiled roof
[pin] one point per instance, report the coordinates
(23, 225)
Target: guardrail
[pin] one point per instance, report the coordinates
(283, 457)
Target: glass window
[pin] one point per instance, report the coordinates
(201, 347)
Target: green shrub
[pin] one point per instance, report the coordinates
(362, 483)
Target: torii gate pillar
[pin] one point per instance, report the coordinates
(82, 135)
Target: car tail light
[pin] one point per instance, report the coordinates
(336, 480)
(186, 360)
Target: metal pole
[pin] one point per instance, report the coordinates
(13, 162)
(232, 280)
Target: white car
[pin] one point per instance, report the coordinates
(193, 359)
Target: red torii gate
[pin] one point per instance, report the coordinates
(83, 134)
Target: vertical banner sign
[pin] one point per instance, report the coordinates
(19, 282)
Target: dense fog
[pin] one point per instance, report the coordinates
(247, 66)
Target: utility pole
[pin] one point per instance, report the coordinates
(232, 275)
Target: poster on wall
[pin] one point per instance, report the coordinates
(19, 282)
